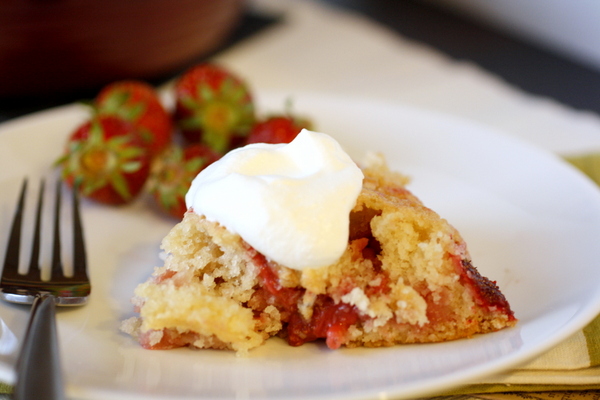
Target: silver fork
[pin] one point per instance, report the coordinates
(38, 368)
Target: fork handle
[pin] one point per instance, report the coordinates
(39, 375)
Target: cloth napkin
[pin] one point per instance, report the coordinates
(319, 48)
(572, 365)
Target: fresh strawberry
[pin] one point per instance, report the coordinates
(277, 129)
(138, 103)
(214, 107)
(173, 173)
(106, 160)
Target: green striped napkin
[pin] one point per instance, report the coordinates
(5, 390)
(572, 365)
(589, 164)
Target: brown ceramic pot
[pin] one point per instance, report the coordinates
(61, 46)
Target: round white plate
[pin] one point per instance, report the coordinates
(531, 222)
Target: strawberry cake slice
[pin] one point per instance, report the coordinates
(397, 272)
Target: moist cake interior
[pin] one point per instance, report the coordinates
(406, 277)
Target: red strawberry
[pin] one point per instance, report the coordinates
(138, 103)
(174, 172)
(213, 107)
(105, 158)
(277, 129)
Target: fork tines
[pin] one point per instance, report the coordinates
(23, 288)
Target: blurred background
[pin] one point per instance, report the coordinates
(67, 48)
(566, 27)
(57, 51)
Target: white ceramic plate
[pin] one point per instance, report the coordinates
(532, 223)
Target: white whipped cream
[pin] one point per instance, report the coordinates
(291, 202)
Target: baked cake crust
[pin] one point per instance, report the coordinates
(405, 277)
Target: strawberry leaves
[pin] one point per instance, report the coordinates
(129, 145)
(213, 107)
(174, 172)
(105, 159)
(138, 103)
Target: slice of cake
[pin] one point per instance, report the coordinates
(403, 274)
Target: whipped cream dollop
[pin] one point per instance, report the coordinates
(291, 202)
